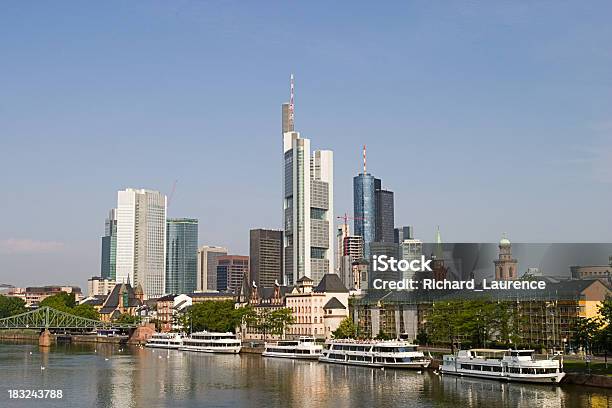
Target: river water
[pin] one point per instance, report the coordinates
(112, 376)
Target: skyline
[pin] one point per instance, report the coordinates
(497, 116)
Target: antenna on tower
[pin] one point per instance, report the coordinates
(364, 159)
(291, 105)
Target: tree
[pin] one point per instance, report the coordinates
(280, 319)
(10, 306)
(382, 335)
(86, 311)
(346, 330)
(128, 319)
(218, 316)
(585, 330)
(63, 301)
(422, 337)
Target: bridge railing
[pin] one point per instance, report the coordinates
(49, 318)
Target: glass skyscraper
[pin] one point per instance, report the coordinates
(364, 209)
(108, 266)
(182, 255)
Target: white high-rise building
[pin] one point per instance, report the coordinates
(308, 205)
(141, 240)
(409, 250)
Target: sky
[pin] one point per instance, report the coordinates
(482, 117)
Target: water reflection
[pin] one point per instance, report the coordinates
(106, 375)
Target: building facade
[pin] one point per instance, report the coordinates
(181, 255)
(231, 271)
(97, 286)
(307, 206)
(409, 250)
(266, 257)
(506, 267)
(402, 233)
(141, 239)
(364, 209)
(207, 267)
(385, 223)
(108, 264)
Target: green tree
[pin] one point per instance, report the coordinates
(585, 330)
(422, 337)
(63, 301)
(128, 319)
(10, 306)
(86, 311)
(280, 319)
(346, 330)
(218, 316)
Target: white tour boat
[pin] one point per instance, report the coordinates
(211, 342)
(303, 348)
(505, 365)
(165, 340)
(392, 354)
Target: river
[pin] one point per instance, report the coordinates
(106, 375)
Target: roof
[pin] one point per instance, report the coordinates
(331, 283)
(112, 301)
(304, 279)
(166, 298)
(334, 303)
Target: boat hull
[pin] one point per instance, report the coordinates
(526, 378)
(291, 355)
(216, 350)
(416, 365)
(164, 346)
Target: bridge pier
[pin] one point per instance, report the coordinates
(45, 338)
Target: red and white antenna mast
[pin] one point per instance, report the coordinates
(291, 105)
(364, 159)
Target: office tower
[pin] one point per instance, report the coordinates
(384, 214)
(307, 206)
(390, 249)
(141, 240)
(364, 208)
(181, 255)
(402, 233)
(108, 264)
(341, 232)
(231, 270)
(266, 257)
(409, 250)
(207, 267)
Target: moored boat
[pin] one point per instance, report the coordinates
(391, 354)
(212, 342)
(165, 341)
(303, 348)
(504, 365)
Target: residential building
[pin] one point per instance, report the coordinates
(351, 251)
(168, 307)
(266, 257)
(319, 309)
(231, 271)
(307, 205)
(97, 285)
(181, 255)
(207, 267)
(141, 239)
(108, 264)
(263, 299)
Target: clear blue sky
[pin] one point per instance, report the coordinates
(482, 117)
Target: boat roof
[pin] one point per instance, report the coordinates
(483, 350)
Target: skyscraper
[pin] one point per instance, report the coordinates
(364, 206)
(231, 271)
(182, 255)
(384, 215)
(402, 233)
(141, 239)
(207, 267)
(266, 257)
(307, 205)
(108, 264)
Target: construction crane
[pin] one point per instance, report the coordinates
(346, 217)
